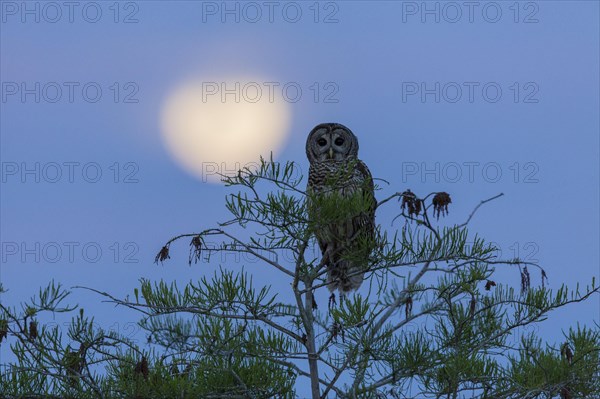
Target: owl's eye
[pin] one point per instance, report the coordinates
(339, 141)
(321, 142)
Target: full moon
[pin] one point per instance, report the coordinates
(215, 127)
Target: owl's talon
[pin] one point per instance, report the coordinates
(332, 302)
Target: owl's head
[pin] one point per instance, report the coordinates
(331, 141)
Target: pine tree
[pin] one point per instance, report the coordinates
(431, 321)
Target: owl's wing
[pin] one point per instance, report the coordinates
(360, 237)
(367, 220)
(315, 179)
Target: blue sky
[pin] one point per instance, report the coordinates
(538, 142)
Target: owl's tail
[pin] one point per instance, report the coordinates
(345, 276)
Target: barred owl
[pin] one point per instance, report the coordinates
(338, 180)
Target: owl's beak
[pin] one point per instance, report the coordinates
(330, 153)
